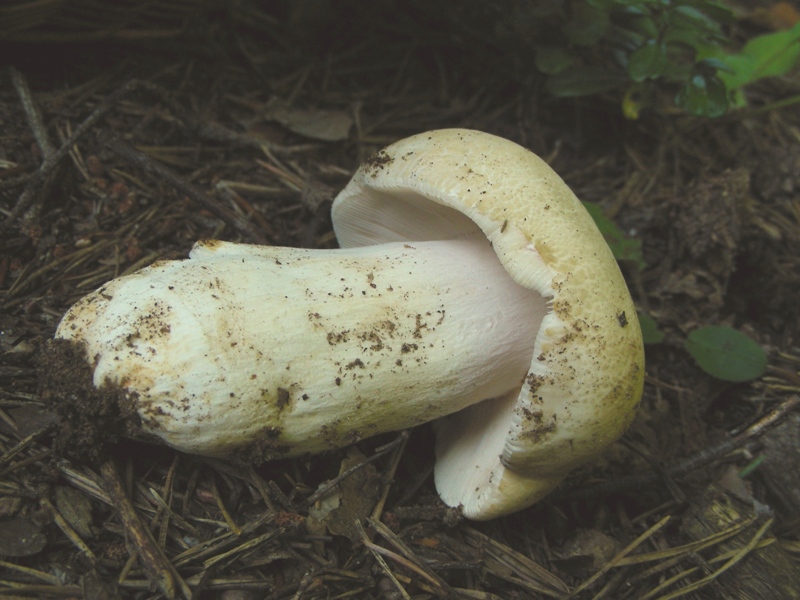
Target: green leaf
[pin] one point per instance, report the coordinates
(624, 39)
(714, 63)
(677, 73)
(769, 55)
(585, 81)
(726, 353)
(651, 334)
(683, 39)
(644, 24)
(648, 62)
(703, 96)
(714, 10)
(552, 60)
(622, 247)
(587, 26)
(695, 21)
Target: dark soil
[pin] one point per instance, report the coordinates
(241, 124)
(89, 418)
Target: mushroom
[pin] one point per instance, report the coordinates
(471, 288)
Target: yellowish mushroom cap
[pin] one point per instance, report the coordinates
(587, 365)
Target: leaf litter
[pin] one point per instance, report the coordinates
(110, 161)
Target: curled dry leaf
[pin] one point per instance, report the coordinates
(21, 537)
(351, 501)
(317, 124)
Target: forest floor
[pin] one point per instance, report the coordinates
(114, 155)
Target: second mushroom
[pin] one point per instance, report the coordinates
(472, 288)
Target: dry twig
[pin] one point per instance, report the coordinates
(156, 565)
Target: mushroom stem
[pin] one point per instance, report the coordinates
(306, 350)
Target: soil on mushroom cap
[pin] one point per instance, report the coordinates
(90, 418)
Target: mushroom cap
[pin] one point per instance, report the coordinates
(587, 363)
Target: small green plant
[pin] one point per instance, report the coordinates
(768, 55)
(647, 47)
(720, 351)
(726, 353)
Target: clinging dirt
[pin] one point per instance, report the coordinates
(90, 418)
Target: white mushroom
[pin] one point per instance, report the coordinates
(472, 287)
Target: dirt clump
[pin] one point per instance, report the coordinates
(90, 418)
